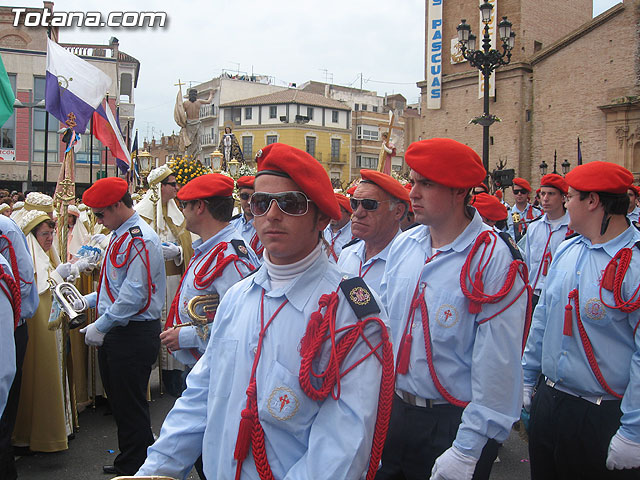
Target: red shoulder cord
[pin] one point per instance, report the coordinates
(332, 251)
(255, 241)
(322, 328)
(13, 283)
(112, 255)
(545, 261)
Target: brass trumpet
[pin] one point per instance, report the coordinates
(66, 294)
(201, 310)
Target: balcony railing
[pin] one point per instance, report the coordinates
(338, 158)
(207, 139)
(207, 111)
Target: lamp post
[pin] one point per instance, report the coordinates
(566, 166)
(216, 161)
(486, 61)
(145, 160)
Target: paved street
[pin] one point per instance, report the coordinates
(95, 445)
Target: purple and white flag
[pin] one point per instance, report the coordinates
(73, 85)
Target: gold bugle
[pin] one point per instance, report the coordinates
(200, 306)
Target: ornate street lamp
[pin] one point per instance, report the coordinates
(233, 167)
(146, 162)
(486, 60)
(216, 161)
(543, 168)
(566, 166)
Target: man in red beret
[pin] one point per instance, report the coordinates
(583, 351)
(490, 209)
(633, 213)
(338, 232)
(129, 300)
(409, 220)
(243, 222)
(458, 376)
(522, 212)
(271, 396)
(378, 205)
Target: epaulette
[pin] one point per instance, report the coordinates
(135, 231)
(413, 225)
(637, 245)
(635, 224)
(515, 252)
(241, 249)
(573, 235)
(352, 242)
(359, 297)
(236, 216)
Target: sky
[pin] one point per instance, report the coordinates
(373, 44)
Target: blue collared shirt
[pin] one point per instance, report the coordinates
(580, 264)
(352, 262)
(634, 215)
(305, 439)
(28, 290)
(533, 244)
(128, 283)
(475, 363)
(193, 337)
(535, 212)
(7, 343)
(338, 239)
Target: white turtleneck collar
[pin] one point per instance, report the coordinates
(282, 275)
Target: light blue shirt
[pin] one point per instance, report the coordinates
(533, 244)
(579, 264)
(536, 212)
(198, 337)
(30, 298)
(338, 239)
(245, 227)
(475, 363)
(304, 439)
(634, 216)
(352, 262)
(7, 342)
(128, 283)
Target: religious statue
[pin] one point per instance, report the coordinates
(229, 147)
(387, 149)
(187, 116)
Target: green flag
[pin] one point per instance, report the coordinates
(6, 95)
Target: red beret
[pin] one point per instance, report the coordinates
(105, 192)
(600, 177)
(489, 207)
(351, 189)
(446, 162)
(344, 202)
(498, 194)
(386, 183)
(556, 181)
(246, 181)
(635, 189)
(522, 183)
(205, 186)
(304, 170)
(408, 187)
(483, 187)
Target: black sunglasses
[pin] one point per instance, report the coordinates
(520, 192)
(244, 196)
(291, 203)
(367, 203)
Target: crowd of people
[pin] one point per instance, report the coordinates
(397, 330)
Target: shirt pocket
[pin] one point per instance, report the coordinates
(449, 317)
(283, 405)
(592, 310)
(223, 350)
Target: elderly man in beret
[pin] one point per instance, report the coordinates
(457, 318)
(582, 357)
(522, 212)
(264, 400)
(129, 300)
(379, 203)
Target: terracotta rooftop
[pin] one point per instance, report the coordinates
(291, 95)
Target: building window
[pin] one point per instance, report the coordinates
(334, 116)
(232, 115)
(374, 108)
(248, 113)
(311, 146)
(8, 131)
(39, 115)
(364, 107)
(310, 113)
(363, 161)
(356, 107)
(273, 111)
(335, 149)
(271, 139)
(83, 155)
(365, 132)
(247, 147)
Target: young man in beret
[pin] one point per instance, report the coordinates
(583, 349)
(338, 233)
(633, 212)
(490, 209)
(243, 222)
(272, 397)
(378, 205)
(129, 300)
(545, 233)
(522, 212)
(457, 345)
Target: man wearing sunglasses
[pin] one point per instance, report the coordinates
(129, 300)
(250, 405)
(243, 222)
(338, 232)
(169, 223)
(458, 376)
(378, 204)
(522, 212)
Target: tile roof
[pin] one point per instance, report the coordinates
(291, 95)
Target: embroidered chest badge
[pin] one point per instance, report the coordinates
(283, 403)
(447, 315)
(594, 309)
(359, 296)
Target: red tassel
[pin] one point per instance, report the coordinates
(244, 435)
(404, 354)
(568, 320)
(608, 279)
(475, 307)
(545, 266)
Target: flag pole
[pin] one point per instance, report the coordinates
(91, 153)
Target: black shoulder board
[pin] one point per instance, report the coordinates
(236, 216)
(535, 219)
(515, 253)
(573, 235)
(635, 224)
(359, 297)
(637, 245)
(352, 242)
(241, 249)
(135, 231)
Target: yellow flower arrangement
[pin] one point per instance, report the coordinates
(187, 168)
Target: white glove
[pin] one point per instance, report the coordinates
(92, 336)
(84, 264)
(453, 465)
(623, 453)
(64, 270)
(98, 238)
(170, 251)
(78, 305)
(527, 394)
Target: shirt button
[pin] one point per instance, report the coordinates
(255, 350)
